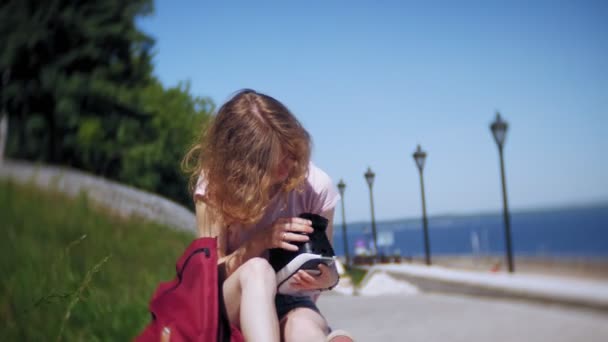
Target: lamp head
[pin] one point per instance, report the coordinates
(341, 187)
(419, 157)
(369, 176)
(499, 130)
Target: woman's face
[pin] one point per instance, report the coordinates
(284, 167)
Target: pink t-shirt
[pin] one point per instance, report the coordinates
(318, 195)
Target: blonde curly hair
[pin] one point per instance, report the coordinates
(239, 151)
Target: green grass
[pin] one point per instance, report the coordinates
(72, 272)
(356, 275)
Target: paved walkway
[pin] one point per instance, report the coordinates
(563, 290)
(453, 318)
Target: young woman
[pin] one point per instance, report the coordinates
(252, 177)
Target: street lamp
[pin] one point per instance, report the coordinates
(369, 177)
(420, 157)
(499, 130)
(342, 187)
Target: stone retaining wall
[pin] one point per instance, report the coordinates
(121, 199)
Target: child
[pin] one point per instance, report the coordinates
(252, 177)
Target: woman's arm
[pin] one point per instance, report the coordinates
(328, 275)
(281, 234)
(209, 226)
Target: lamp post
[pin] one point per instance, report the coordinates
(342, 187)
(499, 130)
(420, 157)
(369, 177)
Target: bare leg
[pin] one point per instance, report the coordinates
(304, 324)
(249, 298)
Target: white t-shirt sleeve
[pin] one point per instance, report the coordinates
(326, 194)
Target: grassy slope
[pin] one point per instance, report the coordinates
(72, 272)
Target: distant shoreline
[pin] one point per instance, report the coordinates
(603, 204)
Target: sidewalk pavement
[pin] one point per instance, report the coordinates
(428, 317)
(419, 303)
(539, 288)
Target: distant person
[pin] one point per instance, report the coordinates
(360, 248)
(252, 177)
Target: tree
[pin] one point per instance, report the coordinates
(70, 59)
(155, 149)
(80, 92)
(3, 115)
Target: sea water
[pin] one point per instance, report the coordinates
(570, 232)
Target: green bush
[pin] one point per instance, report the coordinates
(74, 272)
(356, 275)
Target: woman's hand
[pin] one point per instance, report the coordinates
(304, 281)
(286, 230)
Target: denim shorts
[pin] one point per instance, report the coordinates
(285, 303)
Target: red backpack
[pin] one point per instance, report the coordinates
(191, 305)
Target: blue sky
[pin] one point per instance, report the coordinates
(371, 80)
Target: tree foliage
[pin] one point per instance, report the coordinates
(157, 147)
(79, 91)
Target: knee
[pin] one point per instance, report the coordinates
(258, 270)
(300, 325)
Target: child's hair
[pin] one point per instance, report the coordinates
(238, 152)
